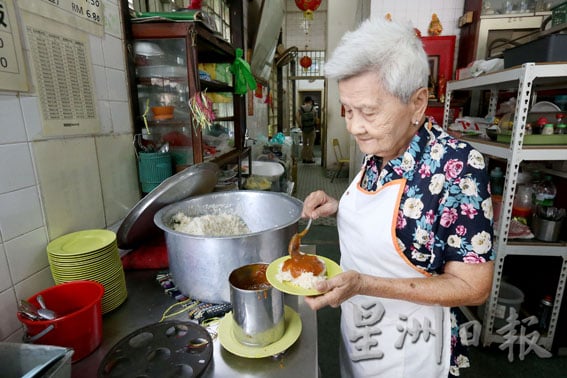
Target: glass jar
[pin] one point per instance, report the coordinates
(522, 206)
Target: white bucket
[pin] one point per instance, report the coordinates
(509, 297)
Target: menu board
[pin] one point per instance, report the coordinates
(62, 75)
(12, 68)
(86, 15)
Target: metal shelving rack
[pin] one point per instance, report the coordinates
(526, 80)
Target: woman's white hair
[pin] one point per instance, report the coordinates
(390, 49)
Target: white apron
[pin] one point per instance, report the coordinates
(385, 337)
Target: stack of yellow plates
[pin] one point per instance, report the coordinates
(90, 255)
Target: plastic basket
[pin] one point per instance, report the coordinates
(79, 324)
(559, 14)
(153, 168)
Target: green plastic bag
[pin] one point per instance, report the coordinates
(243, 78)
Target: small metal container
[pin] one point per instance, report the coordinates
(546, 230)
(257, 308)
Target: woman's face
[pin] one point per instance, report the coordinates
(381, 124)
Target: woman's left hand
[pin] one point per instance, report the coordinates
(336, 290)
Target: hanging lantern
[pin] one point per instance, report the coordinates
(308, 7)
(305, 62)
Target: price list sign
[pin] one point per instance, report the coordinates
(63, 78)
(12, 68)
(86, 15)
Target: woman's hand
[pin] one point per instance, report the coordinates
(336, 290)
(319, 204)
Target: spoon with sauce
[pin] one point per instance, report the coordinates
(299, 262)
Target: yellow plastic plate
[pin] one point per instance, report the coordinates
(290, 336)
(287, 287)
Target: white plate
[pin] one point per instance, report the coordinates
(544, 107)
(147, 49)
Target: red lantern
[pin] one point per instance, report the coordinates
(305, 62)
(308, 7)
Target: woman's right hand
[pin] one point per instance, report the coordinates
(319, 204)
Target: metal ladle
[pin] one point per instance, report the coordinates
(44, 312)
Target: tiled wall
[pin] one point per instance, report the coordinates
(53, 186)
(419, 12)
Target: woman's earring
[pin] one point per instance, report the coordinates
(415, 123)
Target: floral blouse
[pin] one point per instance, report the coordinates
(445, 211)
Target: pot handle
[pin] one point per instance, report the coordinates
(31, 339)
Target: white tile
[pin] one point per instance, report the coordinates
(118, 175)
(9, 322)
(32, 117)
(16, 169)
(104, 116)
(27, 254)
(101, 86)
(121, 117)
(95, 44)
(5, 280)
(69, 179)
(113, 50)
(13, 129)
(117, 85)
(20, 212)
(112, 20)
(34, 284)
(15, 337)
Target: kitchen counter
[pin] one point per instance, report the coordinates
(145, 305)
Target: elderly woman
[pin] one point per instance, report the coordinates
(415, 225)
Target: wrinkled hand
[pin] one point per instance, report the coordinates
(336, 290)
(319, 204)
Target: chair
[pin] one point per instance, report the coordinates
(341, 161)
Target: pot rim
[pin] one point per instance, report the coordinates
(168, 230)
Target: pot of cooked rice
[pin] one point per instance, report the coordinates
(210, 235)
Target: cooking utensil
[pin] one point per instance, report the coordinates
(196, 261)
(295, 242)
(139, 226)
(166, 349)
(29, 310)
(44, 312)
(257, 307)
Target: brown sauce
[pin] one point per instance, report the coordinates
(299, 263)
(256, 280)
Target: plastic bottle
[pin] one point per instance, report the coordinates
(496, 181)
(548, 129)
(544, 316)
(560, 125)
(545, 192)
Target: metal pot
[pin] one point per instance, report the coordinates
(200, 265)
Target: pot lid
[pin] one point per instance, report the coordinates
(139, 223)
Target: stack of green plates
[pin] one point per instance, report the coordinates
(90, 255)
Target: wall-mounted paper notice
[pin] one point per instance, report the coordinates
(85, 15)
(62, 73)
(12, 67)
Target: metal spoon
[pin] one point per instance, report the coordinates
(44, 312)
(28, 310)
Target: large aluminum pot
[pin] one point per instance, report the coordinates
(200, 265)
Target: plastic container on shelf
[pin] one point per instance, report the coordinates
(522, 206)
(560, 125)
(497, 181)
(509, 297)
(545, 192)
